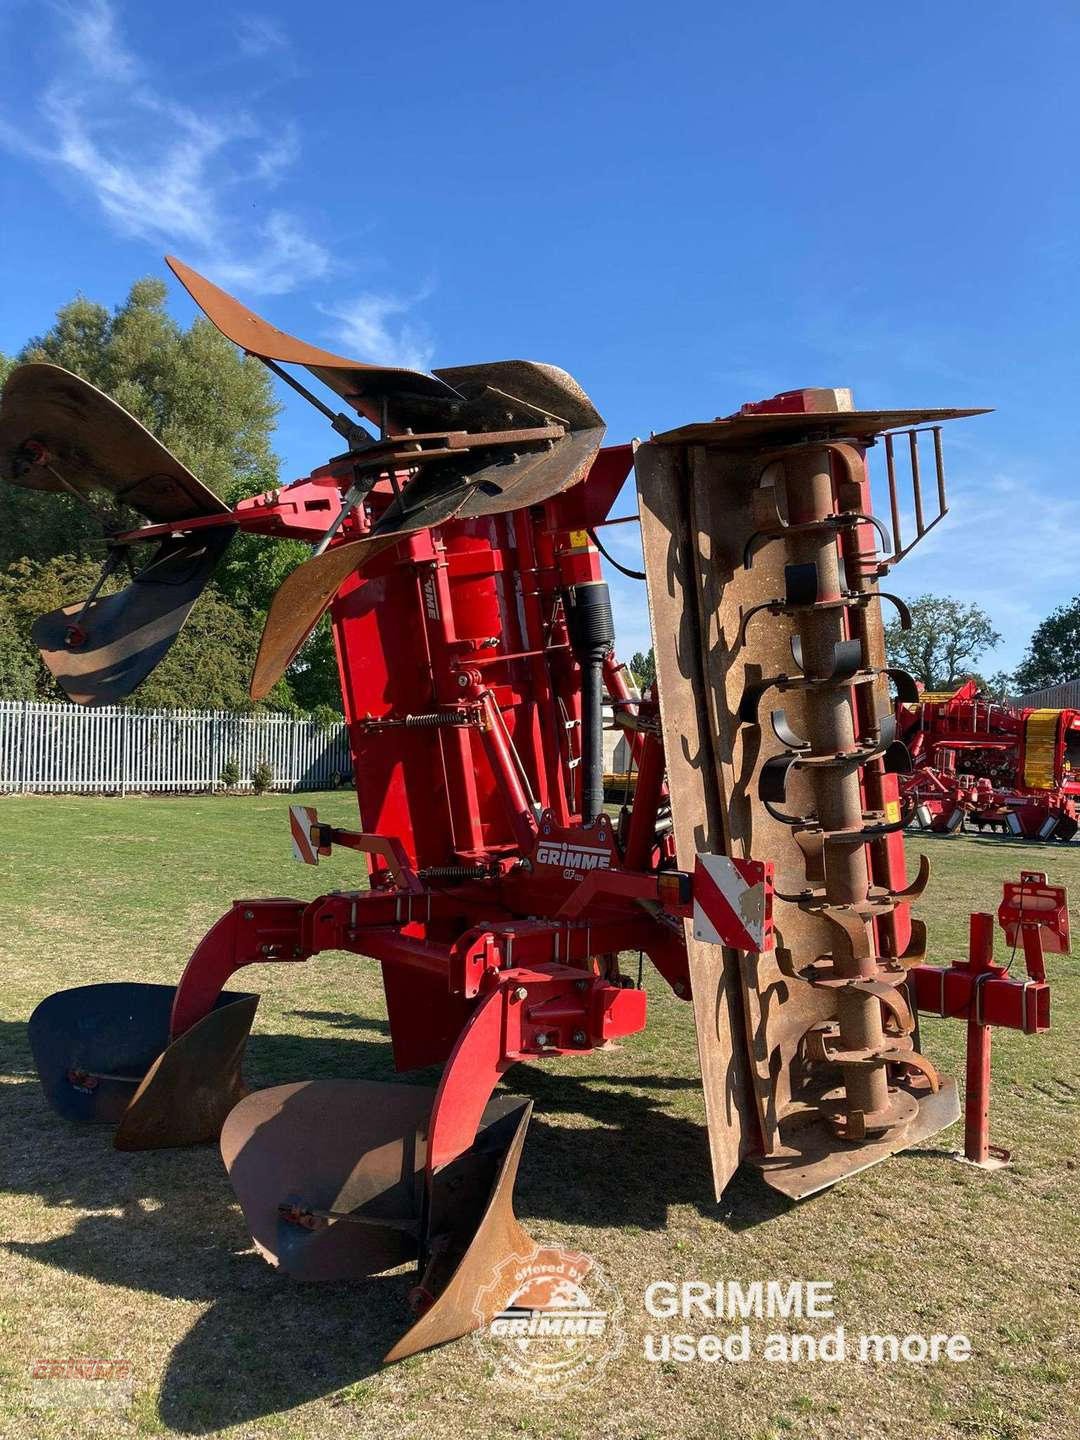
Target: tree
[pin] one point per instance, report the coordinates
(945, 640)
(1053, 655)
(643, 667)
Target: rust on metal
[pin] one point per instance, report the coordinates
(193, 1084)
(761, 428)
(468, 1272)
(367, 387)
(56, 427)
(341, 1146)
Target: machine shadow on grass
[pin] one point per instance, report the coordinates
(267, 1343)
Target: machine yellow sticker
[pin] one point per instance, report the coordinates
(892, 811)
(579, 539)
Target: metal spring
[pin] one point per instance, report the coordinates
(455, 872)
(433, 718)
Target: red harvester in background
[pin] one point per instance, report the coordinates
(1010, 767)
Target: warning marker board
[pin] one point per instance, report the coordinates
(733, 902)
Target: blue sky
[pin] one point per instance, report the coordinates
(687, 206)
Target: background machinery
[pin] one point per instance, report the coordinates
(760, 866)
(1007, 766)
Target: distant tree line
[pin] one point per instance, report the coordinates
(215, 410)
(947, 639)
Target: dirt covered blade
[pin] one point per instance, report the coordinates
(100, 650)
(59, 431)
(103, 1055)
(408, 395)
(473, 1234)
(331, 1177)
(194, 1083)
(301, 600)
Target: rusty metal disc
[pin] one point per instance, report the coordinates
(326, 1148)
(193, 1084)
(83, 436)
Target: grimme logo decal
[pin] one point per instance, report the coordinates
(431, 598)
(557, 1324)
(573, 859)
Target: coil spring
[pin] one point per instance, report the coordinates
(434, 718)
(455, 872)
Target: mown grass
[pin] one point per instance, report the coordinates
(145, 1257)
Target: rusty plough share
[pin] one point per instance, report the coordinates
(760, 867)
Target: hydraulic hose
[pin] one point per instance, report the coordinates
(592, 634)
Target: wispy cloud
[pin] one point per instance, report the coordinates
(162, 171)
(377, 327)
(259, 36)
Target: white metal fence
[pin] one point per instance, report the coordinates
(1055, 697)
(57, 747)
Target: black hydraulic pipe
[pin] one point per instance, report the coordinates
(592, 636)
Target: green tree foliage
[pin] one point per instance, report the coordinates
(945, 640)
(215, 410)
(18, 662)
(643, 667)
(1053, 654)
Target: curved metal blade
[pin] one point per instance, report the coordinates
(432, 498)
(93, 1044)
(93, 443)
(468, 1271)
(97, 1048)
(301, 600)
(411, 396)
(326, 1148)
(194, 1083)
(100, 652)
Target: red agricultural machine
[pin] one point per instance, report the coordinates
(760, 866)
(1012, 768)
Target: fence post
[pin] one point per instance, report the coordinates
(24, 747)
(124, 749)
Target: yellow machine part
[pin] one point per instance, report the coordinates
(1040, 749)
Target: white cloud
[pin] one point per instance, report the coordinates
(259, 36)
(376, 327)
(94, 34)
(162, 171)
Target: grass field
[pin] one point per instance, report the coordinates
(144, 1257)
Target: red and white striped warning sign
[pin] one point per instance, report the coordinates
(301, 819)
(733, 902)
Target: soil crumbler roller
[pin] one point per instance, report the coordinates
(455, 551)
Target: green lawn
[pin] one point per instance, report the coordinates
(145, 1257)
